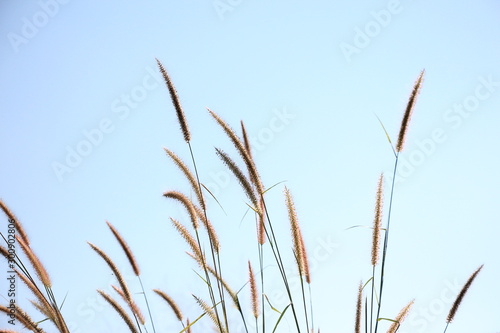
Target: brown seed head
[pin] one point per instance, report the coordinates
(377, 221)
(175, 102)
(242, 179)
(189, 175)
(125, 317)
(42, 274)
(248, 146)
(408, 112)
(357, 325)
(253, 291)
(294, 226)
(400, 318)
(132, 305)
(305, 259)
(13, 219)
(188, 238)
(170, 302)
(23, 318)
(125, 248)
(210, 312)
(114, 269)
(252, 169)
(214, 239)
(461, 295)
(186, 202)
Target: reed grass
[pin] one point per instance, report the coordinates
(208, 257)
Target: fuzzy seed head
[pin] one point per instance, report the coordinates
(175, 102)
(408, 112)
(461, 295)
(377, 221)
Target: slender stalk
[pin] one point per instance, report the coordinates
(215, 261)
(261, 266)
(386, 241)
(372, 298)
(275, 248)
(147, 304)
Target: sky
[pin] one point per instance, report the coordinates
(85, 116)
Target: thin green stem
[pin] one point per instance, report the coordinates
(386, 241)
(311, 307)
(261, 264)
(371, 305)
(210, 288)
(304, 300)
(274, 246)
(147, 303)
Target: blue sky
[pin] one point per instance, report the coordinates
(309, 80)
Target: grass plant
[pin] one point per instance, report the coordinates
(221, 299)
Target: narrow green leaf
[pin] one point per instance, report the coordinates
(191, 324)
(386, 134)
(272, 307)
(391, 320)
(281, 316)
(281, 182)
(213, 196)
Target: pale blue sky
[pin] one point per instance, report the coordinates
(308, 80)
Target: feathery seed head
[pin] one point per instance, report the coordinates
(175, 102)
(19, 228)
(188, 238)
(42, 274)
(189, 175)
(214, 239)
(253, 291)
(294, 226)
(408, 112)
(170, 302)
(114, 269)
(245, 184)
(186, 202)
(357, 325)
(125, 248)
(252, 169)
(305, 259)
(461, 295)
(400, 318)
(377, 221)
(248, 146)
(125, 317)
